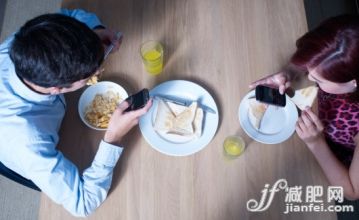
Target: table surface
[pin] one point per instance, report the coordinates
(222, 46)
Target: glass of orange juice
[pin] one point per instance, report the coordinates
(152, 57)
(234, 146)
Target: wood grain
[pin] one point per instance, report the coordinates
(223, 46)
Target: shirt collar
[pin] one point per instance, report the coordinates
(25, 92)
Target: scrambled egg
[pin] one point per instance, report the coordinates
(99, 112)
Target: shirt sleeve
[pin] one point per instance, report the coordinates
(60, 179)
(90, 19)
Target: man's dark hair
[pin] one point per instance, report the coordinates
(55, 50)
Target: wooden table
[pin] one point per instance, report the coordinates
(223, 46)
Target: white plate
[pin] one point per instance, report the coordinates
(277, 125)
(89, 94)
(175, 145)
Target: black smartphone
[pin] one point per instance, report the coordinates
(138, 100)
(270, 96)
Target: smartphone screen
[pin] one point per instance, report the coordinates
(270, 96)
(138, 100)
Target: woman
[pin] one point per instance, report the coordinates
(329, 55)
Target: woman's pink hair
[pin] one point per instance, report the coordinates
(332, 48)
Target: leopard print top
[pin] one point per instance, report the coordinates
(340, 118)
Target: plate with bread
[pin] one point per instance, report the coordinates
(265, 123)
(183, 119)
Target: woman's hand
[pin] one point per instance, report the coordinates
(107, 37)
(309, 128)
(122, 122)
(279, 80)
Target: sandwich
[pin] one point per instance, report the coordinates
(305, 97)
(179, 120)
(182, 123)
(197, 123)
(164, 117)
(256, 112)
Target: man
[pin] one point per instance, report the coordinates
(50, 55)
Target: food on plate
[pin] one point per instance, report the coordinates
(183, 122)
(197, 123)
(99, 112)
(180, 120)
(92, 81)
(256, 111)
(164, 117)
(305, 97)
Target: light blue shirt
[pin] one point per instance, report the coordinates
(29, 125)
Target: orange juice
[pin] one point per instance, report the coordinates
(152, 56)
(234, 146)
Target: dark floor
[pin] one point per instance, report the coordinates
(319, 10)
(2, 12)
(349, 215)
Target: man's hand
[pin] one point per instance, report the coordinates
(309, 128)
(107, 37)
(121, 122)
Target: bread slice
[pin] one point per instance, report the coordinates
(197, 123)
(256, 111)
(182, 123)
(176, 109)
(305, 97)
(164, 117)
(180, 120)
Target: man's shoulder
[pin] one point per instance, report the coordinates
(22, 130)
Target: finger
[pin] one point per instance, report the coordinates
(282, 89)
(301, 124)
(107, 36)
(287, 84)
(256, 83)
(117, 43)
(261, 82)
(142, 111)
(277, 80)
(307, 121)
(264, 80)
(123, 106)
(148, 105)
(314, 118)
(302, 127)
(298, 129)
(271, 82)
